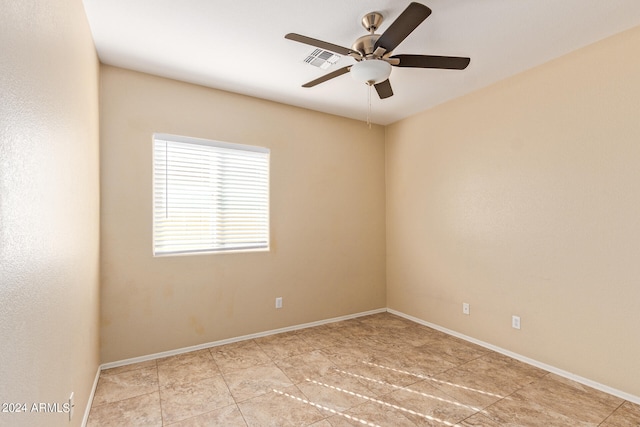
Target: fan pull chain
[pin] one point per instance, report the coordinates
(369, 105)
(166, 178)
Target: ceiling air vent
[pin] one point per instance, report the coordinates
(322, 58)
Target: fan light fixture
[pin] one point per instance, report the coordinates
(371, 71)
(373, 52)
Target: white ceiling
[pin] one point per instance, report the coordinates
(239, 45)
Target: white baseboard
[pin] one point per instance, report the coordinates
(85, 418)
(549, 368)
(236, 339)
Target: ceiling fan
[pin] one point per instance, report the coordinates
(373, 52)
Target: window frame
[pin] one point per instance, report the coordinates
(213, 249)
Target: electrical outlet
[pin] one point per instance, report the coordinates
(71, 406)
(465, 308)
(515, 322)
(279, 302)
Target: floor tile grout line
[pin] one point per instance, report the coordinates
(531, 383)
(551, 374)
(226, 383)
(123, 400)
(611, 414)
(181, 383)
(241, 413)
(307, 397)
(159, 395)
(485, 409)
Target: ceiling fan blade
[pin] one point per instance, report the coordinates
(319, 43)
(399, 29)
(384, 89)
(430, 61)
(336, 73)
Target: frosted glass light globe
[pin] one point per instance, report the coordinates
(371, 71)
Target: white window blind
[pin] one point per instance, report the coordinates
(209, 196)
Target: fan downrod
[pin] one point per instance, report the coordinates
(365, 45)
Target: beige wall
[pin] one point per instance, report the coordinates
(524, 198)
(49, 207)
(327, 255)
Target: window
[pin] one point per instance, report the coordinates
(209, 196)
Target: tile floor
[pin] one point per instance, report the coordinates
(379, 370)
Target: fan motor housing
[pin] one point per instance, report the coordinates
(366, 44)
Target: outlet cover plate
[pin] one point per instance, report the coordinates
(515, 322)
